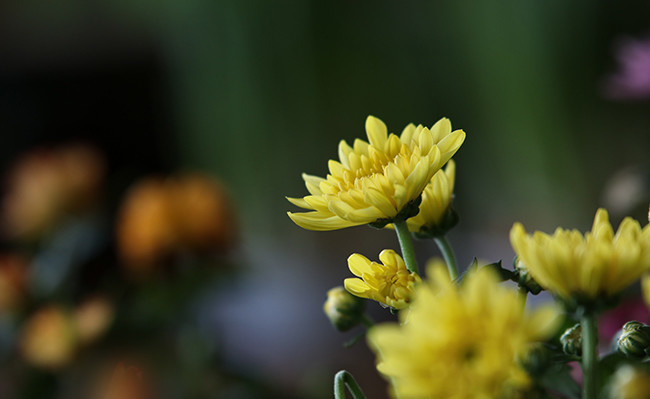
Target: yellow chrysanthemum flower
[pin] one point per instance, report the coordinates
(599, 264)
(389, 282)
(374, 182)
(460, 342)
(436, 200)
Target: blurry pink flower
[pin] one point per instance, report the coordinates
(612, 320)
(632, 80)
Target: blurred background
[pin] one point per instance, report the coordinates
(147, 148)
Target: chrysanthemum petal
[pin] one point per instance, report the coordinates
(299, 202)
(319, 222)
(451, 143)
(359, 264)
(356, 286)
(354, 215)
(407, 134)
(313, 183)
(377, 132)
(344, 151)
(441, 129)
(380, 201)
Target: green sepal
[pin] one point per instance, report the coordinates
(522, 277)
(411, 209)
(504, 274)
(448, 221)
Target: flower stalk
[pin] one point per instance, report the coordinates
(406, 244)
(448, 254)
(589, 355)
(344, 379)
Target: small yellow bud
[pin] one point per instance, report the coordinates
(634, 340)
(343, 309)
(571, 340)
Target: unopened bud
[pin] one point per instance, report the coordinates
(524, 279)
(634, 340)
(571, 341)
(343, 309)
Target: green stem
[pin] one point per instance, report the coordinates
(343, 379)
(406, 243)
(589, 356)
(449, 256)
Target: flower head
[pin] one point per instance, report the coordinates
(599, 264)
(376, 181)
(435, 216)
(388, 282)
(460, 342)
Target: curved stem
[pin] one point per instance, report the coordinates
(448, 254)
(589, 356)
(406, 243)
(343, 379)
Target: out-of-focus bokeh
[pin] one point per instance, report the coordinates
(147, 149)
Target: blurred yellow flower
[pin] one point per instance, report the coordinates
(629, 382)
(460, 342)
(598, 264)
(389, 282)
(436, 202)
(49, 338)
(375, 182)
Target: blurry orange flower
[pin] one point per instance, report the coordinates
(13, 281)
(45, 185)
(145, 229)
(203, 213)
(48, 338)
(127, 382)
(160, 217)
(93, 318)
